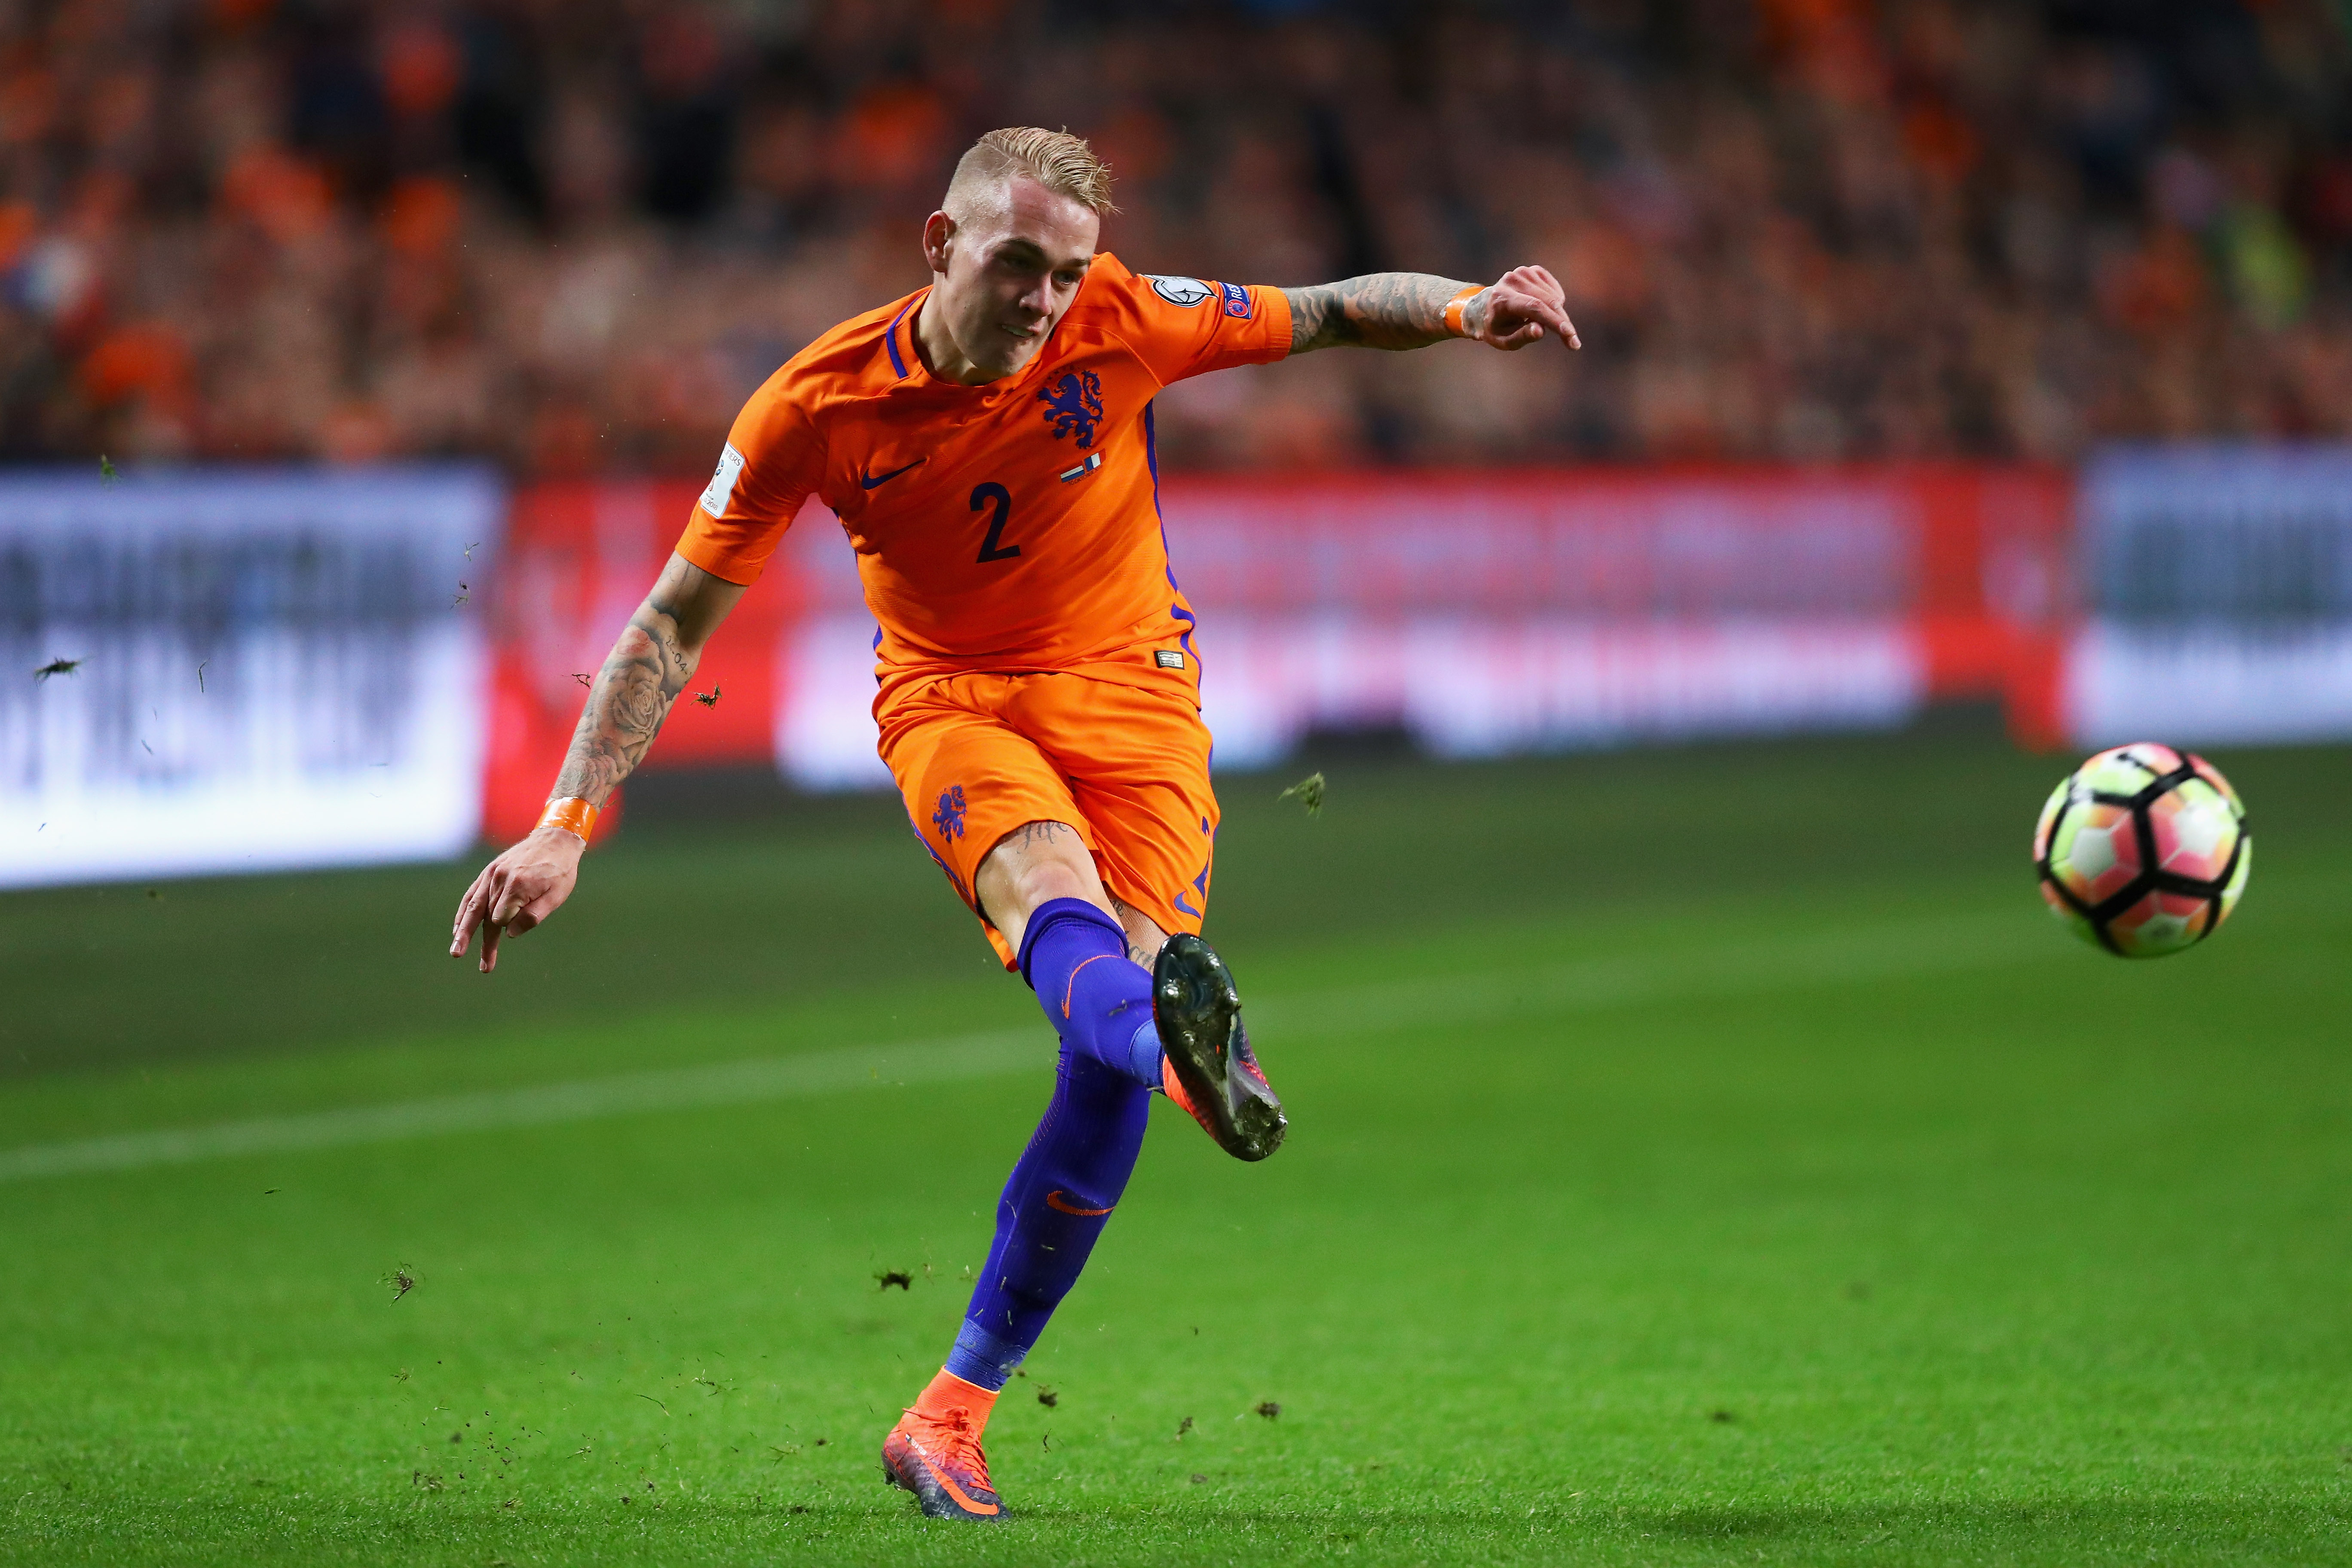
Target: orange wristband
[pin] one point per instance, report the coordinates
(573, 815)
(1454, 307)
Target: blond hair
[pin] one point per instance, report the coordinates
(1056, 159)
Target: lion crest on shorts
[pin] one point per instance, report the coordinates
(948, 818)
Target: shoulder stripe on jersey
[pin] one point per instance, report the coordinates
(891, 338)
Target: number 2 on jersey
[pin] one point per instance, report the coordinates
(993, 548)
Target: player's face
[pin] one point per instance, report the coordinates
(1006, 274)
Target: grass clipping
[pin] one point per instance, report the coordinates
(1308, 792)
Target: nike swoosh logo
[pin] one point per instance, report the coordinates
(1054, 1200)
(871, 480)
(948, 1483)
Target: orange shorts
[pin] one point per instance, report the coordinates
(977, 756)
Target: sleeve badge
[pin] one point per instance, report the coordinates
(722, 483)
(1185, 291)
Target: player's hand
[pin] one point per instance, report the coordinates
(1525, 305)
(517, 891)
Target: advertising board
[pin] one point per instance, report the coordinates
(234, 671)
(1485, 613)
(265, 669)
(2218, 582)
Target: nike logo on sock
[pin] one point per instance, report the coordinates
(1055, 1200)
(872, 480)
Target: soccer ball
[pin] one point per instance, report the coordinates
(2143, 851)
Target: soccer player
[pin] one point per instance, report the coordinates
(987, 445)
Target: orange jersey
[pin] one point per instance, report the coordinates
(1007, 527)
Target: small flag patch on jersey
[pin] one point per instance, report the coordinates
(1168, 659)
(1094, 461)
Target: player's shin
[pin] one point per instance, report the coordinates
(1060, 1196)
(1098, 1000)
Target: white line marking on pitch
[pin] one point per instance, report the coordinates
(1942, 947)
(585, 1100)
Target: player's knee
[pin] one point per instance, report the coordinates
(1035, 865)
(1041, 882)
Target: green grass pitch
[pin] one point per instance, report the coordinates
(1698, 1156)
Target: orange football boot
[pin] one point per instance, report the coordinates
(934, 1451)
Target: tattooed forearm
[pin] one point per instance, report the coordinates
(1377, 311)
(648, 666)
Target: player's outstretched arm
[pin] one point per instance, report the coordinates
(1407, 310)
(650, 664)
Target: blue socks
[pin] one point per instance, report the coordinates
(1097, 999)
(1070, 1177)
(1061, 1195)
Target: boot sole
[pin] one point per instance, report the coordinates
(1198, 1011)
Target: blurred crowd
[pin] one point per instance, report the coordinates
(572, 235)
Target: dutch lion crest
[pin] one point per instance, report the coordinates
(1074, 405)
(948, 818)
